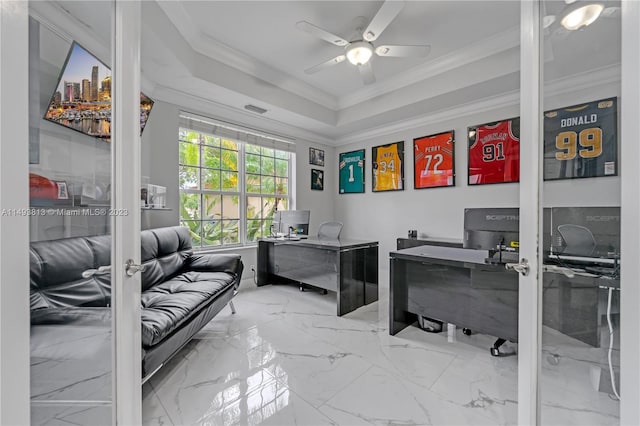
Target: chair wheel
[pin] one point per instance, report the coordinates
(495, 352)
(301, 288)
(466, 331)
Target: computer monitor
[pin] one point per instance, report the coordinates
(487, 228)
(297, 219)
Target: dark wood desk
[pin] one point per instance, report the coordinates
(454, 285)
(577, 306)
(348, 267)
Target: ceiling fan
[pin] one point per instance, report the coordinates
(360, 48)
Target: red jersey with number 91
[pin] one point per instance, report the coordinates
(494, 154)
(433, 160)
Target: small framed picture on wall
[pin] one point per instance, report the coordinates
(351, 172)
(316, 157)
(63, 193)
(317, 179)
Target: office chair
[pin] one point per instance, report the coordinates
(329, 230)
(579, 241)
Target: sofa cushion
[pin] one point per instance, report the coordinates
(163, 252)
(222, 262)
(167, 305)
(56, 272)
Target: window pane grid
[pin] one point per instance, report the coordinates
(215, 175)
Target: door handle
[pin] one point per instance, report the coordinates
(131, 267)
(522, 267)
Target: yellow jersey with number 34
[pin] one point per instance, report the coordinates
(387, 168)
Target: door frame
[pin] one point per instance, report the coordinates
(530, 287)
(630, 216)
(125, 220)
(14, 228)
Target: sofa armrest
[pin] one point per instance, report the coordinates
(212, 262)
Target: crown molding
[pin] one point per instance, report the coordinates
(574, 83)
(208, 46)
(215, 110)
(53, 16)
(471, 53)
(495, 102)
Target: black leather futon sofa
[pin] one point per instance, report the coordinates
(181, 292)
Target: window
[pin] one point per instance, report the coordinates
(230, 190)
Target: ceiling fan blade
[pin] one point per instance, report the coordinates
(611, 12)
(403, 51)
(383, 18)
(325, 64)
(366, 71)
(320, 33)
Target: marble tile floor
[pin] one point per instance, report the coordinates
(285, 358)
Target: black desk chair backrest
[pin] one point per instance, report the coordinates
(578, 240)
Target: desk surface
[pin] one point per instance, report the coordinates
(452, 254)
(325, 244)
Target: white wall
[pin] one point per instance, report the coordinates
(160, 162)
(321, 203)
(439, 212)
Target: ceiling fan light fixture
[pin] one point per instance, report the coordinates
(581, 15)
(359, 53)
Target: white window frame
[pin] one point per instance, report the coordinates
(241, 192)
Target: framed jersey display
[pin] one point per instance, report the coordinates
(351, 172)
(433, 161)
(388, 167)
(494, 152)
(581, 141)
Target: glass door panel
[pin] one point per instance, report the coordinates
(70, 196)
(580, 362)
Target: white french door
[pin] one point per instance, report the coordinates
(98, 181)
(578, 349)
